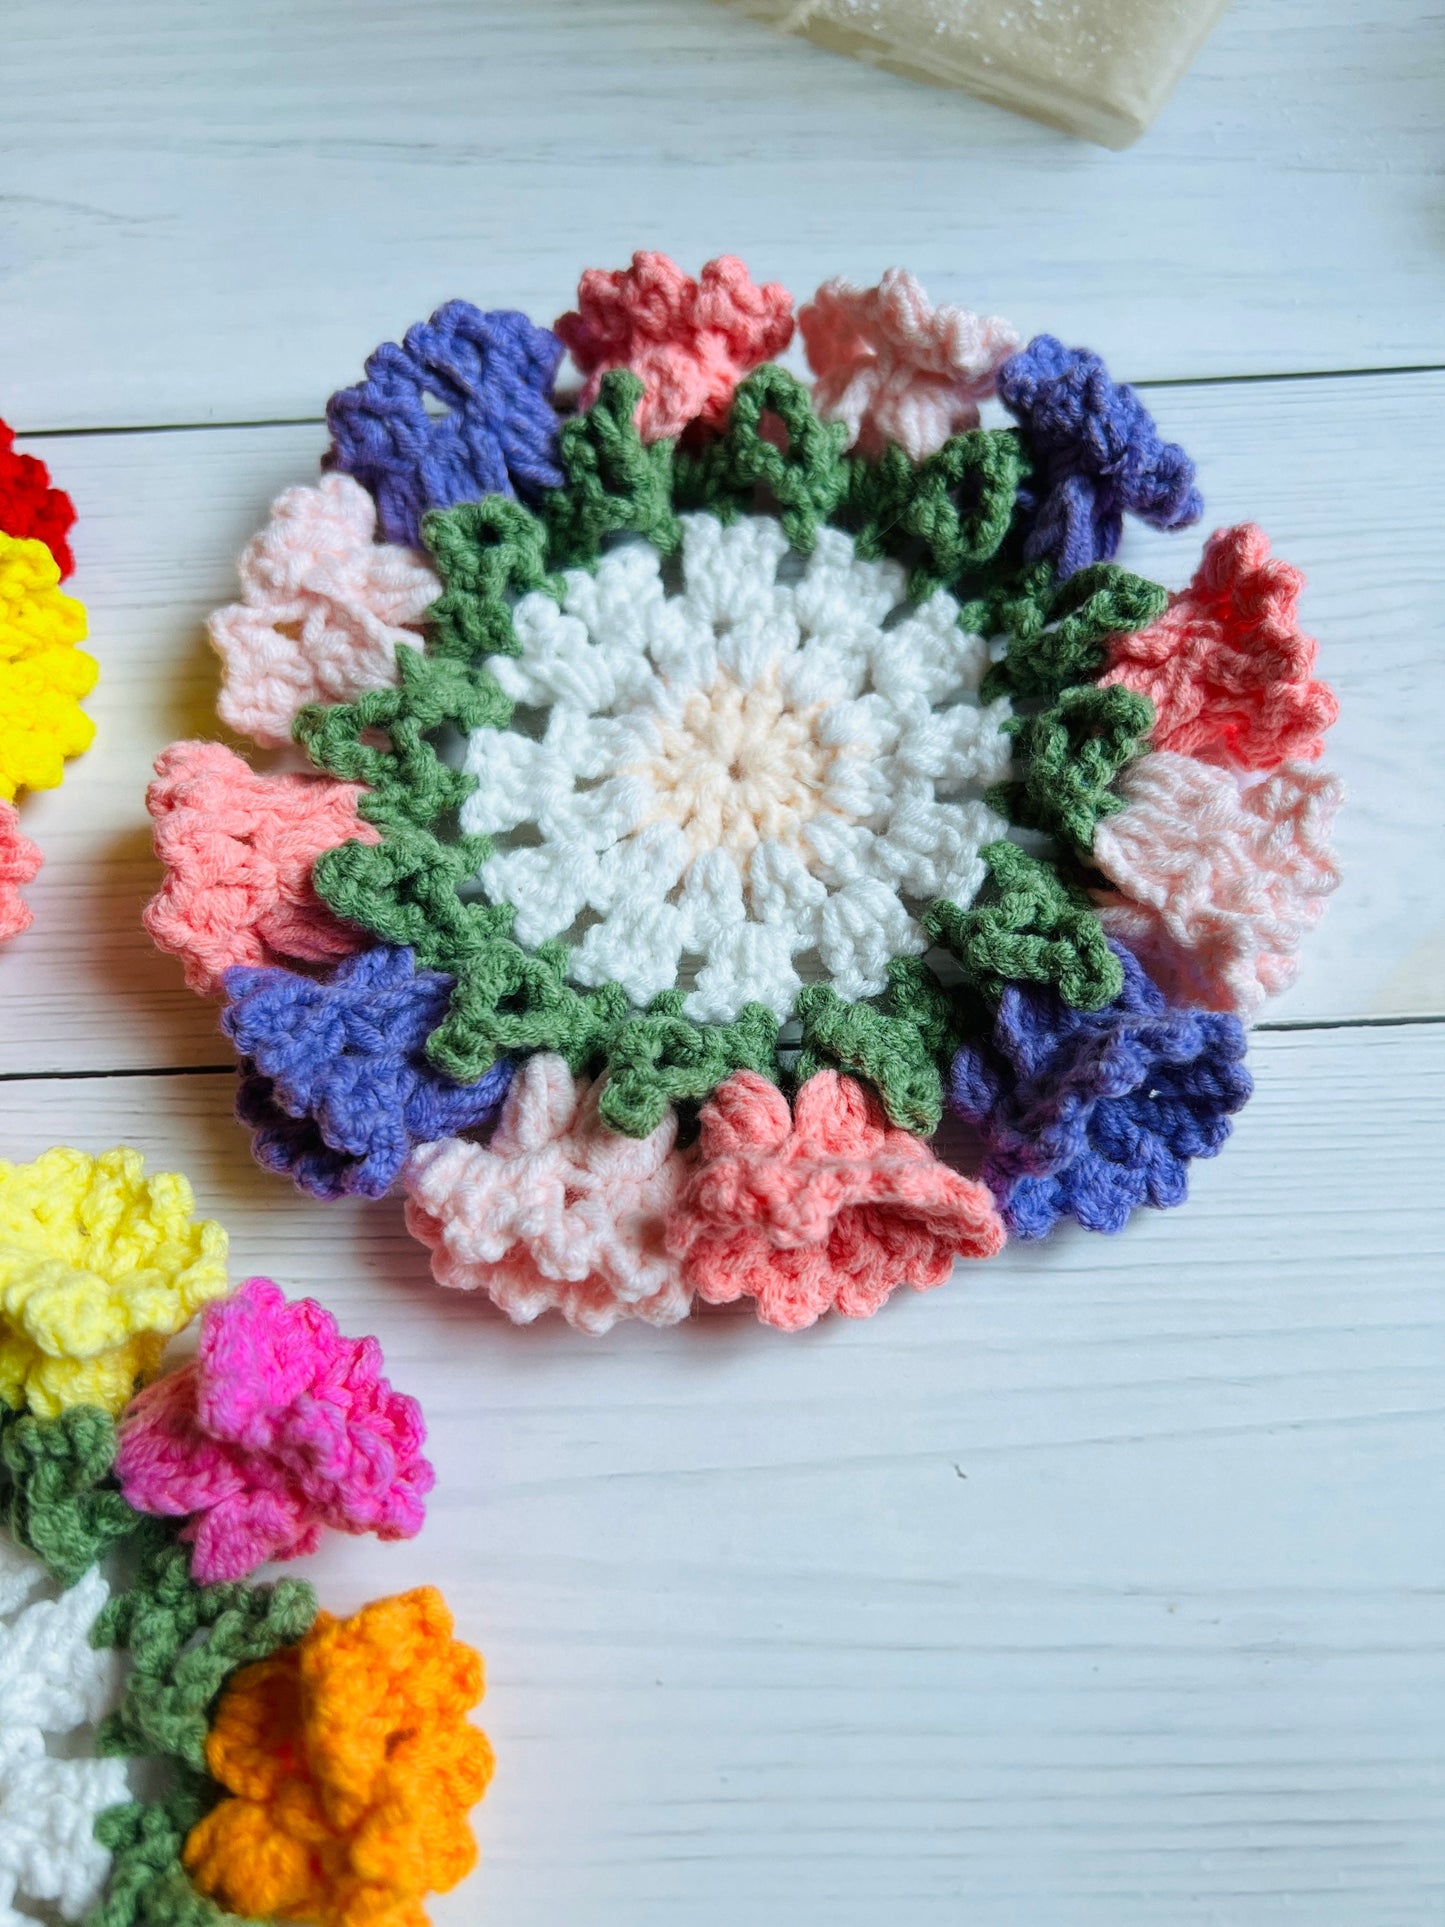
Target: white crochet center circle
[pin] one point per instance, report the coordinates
(778, 765)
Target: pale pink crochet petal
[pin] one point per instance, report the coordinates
(690, 342)
(324, 609)
(20, 862)
(1215, 887)
(1227, 666)
(556, 1212)
(239, 849)
(835, 1213)
(894, 368)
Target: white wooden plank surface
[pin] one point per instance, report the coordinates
(211, 213)
(1100, 1589)
(163, 515)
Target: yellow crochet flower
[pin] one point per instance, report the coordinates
(99, 1266)
(42, 674)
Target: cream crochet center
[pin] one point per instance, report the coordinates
(762, 775)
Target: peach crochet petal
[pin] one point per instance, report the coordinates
(20, 862)
(691, 342)
(239, 849)
(557, 1212)
(828, 1207)
(1227, 666)
(324, 609)
(896, 369)
(1215, 888)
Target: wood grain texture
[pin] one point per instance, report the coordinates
(212, 213)
(1100, 1588)
(163, 515)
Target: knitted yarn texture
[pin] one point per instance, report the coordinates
(745, 770)
(303, 1765)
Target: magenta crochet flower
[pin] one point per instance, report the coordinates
(897, 369)
(280, 1428)
(691, 342)
(324, 608)
(19, 863)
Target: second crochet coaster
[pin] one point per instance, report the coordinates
(302, 1767)
(717, 776)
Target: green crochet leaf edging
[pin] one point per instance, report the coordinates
(60, 1498)
(1057, 631)
(1069, 755)
(1029, 926)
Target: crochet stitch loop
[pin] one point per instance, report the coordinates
(492, 376)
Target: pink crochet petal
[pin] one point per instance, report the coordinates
(324, 609)
(557, 1212)
(894, 368)
(1227, 666)
(20, 862)
(690, 342)
(239, 849)
(280, 1428)
(1215, 887)
(837, 1216)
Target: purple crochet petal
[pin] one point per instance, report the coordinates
(492, 374)
(1097, 454)
(335, 1082)
(1090, 1114)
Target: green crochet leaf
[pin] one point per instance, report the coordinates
(487, 553)
(894, 1043)
(1070, 755)
(61, 1500)
(948, 515)
(1058, 630)
(616, 484)
(1029, 926)
(661, 1057)
(511, 999)
(803, 470)
(148, 1884)
(185, 1641)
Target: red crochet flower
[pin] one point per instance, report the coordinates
(29, 506)
(19, 863)
(239, 850)
(690, 341)
(1227, 666)
(827, 1207)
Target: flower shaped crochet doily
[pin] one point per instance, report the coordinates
(743, 751)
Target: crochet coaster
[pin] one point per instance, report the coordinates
(304, 1767)
(42, 673)
(716, 775)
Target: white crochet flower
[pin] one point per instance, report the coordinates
(52, 1681)
(779, 764)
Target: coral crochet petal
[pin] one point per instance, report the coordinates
(324, 608)
(20, 863)
(1227, 666)
(691, 342)
(279, 1429)
(826, 1207)
(30, 509)
(896, 369)
(1214, 887)
(239, 850)
(557, 1212)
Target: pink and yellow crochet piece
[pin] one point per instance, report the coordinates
(43, 675)
(299, 1767)
(716, 774)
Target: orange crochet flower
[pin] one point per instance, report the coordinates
(352, 1767)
